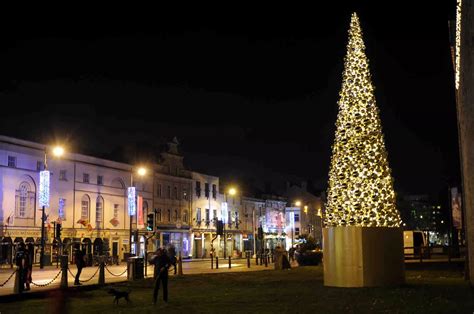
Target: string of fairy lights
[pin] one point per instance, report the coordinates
(458, 44)
(360, 189)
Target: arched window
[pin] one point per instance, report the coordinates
(169, 215)
(175, 215)
(185, 216)
(25, 201)
(85, 206)
(99, 209)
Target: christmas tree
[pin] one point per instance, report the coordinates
(360, 189)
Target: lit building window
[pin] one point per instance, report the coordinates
(62, 175)
(12, 161)
(99, 209)
(62, 208)
(85, 203)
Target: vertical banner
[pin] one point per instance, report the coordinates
(44, 188)
(132, 205)
(456, 204)
(140, 212)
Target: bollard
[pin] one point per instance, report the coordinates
(217, 262)
(212, 262)
(256, 259)
(102, 272)
(266, 261)
(248, 261)
(64, 262)
(180, 265)
(261, 259)
(273, 261)
(18, 287)
(229, 262)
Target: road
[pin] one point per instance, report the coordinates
(117, 273)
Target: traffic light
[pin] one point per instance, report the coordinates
(57, 231)
(150, 222)
(220, 227)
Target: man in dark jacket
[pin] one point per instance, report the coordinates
(162, 263)
(80, 263)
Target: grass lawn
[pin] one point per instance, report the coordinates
(299, 290)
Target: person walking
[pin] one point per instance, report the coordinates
(21, 260)
(162, 264)
(80, 263)
(172, 256)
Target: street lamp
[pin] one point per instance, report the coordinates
(232, 191)
(132, 201)
(44, 192)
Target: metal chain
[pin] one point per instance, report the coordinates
(1, 285)
(115, 274)
(47, 284)
(91, 277)
(69, 270)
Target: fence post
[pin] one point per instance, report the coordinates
(229, 262)
(180, 265)
(64, 263)
(102, 271)
(17, 288)
(217, 262)
(248, 261)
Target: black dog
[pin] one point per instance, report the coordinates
(119, 294)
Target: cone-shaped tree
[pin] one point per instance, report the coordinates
(360, 189)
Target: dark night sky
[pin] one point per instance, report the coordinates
(246, 93)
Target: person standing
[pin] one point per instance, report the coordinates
(80, 263)
(162, 264)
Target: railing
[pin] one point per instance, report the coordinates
(436, 252)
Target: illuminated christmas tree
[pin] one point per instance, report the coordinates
(360, 189)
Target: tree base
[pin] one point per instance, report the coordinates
(363, 256)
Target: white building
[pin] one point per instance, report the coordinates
(87, 196)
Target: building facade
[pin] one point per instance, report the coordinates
(88, 197)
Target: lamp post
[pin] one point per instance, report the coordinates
(58, 151)
(132, 201)
(232, 191)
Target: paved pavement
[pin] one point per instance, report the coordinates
(117, 273)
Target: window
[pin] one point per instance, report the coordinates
(206, 190)
(214, 191)
(175, 193)
(214, 214)
(169, 215)
(99, 205)
(85, 177)
(24, 200)
(229, 218)
(100, 180)
(62, 175)
(158, 190)
(62, 208)
(12, 161)
(185, 217)
(185, 194)
(169, 191)
(85, 203)
(116, 210)
(175, 215)
(158, 214)
(207, 216)
(297, 231)
(236, 219)
(198, 189)
(297, 217)
(40, 165)
(198, 215)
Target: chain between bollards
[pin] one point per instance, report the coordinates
(2, 284)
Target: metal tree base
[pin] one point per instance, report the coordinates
(363, 256)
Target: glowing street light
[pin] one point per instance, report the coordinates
(132, 201)
(44, 191)
(298, 203)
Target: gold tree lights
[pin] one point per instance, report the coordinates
(360, 189)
